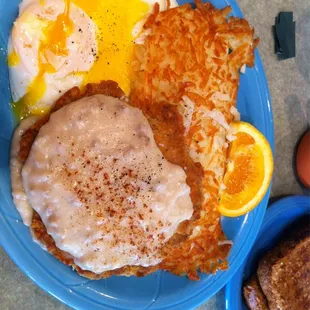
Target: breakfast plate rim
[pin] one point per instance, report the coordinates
(275, 213)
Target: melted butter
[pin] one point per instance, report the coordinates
(115, 20)
(102, 187)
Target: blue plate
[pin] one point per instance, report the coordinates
(157, 291)
(279, 216)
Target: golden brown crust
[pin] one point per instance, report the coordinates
(253, 295)
(206, 250)
(45, 239)
(108, 88)
(187, 72)
(168, 132)
(181, 252)
(168, 129)
(192, 55)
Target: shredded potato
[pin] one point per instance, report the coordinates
(196, 54)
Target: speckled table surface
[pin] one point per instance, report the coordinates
(289, 83)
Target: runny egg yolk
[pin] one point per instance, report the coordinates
(13, 59)
(55, 35)
(114, 20)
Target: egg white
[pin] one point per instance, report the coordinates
(25, 39)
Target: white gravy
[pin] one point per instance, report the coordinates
(18, 192)
(102, 187)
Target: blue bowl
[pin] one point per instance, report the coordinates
(161, 290)
(280, 215)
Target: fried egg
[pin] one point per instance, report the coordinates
(58, 44)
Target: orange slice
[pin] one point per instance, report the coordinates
(248, 172)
